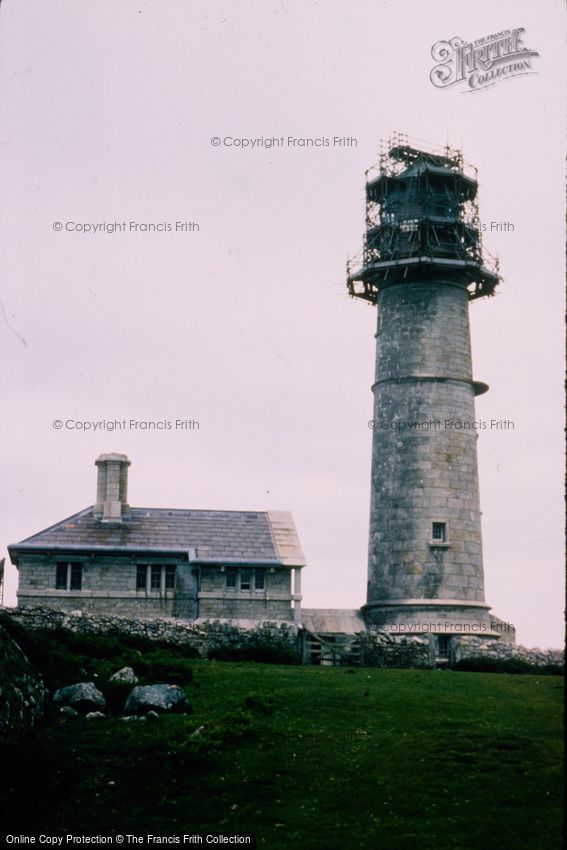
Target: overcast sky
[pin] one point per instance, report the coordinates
(244, 325)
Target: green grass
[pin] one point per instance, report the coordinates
(315, 758)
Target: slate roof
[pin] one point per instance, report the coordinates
(217, 536)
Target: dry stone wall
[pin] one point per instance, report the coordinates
(206, 637)
(215, 637)
(473, 647)
(406, 651)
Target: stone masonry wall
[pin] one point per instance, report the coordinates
(109, 589)
(272, 603)
(424, 466)
(203, 636)
(137, 607)
(379, 651)
(212, 635)
(497, 650)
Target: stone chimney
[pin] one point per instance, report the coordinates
(112, 487)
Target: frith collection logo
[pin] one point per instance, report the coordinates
(482, 63)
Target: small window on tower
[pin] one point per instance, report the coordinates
(259, 580)
(245, 580)
(170, 577)
(155, 580)
(231, 578)
(439, 532)
(141, 571)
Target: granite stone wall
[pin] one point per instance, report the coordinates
(424, 466)
(109, 589)
(210, 636)
(379, 651)
(473, 647)
(203, 636)
(272, 603)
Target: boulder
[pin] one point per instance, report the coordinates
(83, 697)
(144, 698)
(68, 711)
(95, 715)
(22, 692)
(125, 676)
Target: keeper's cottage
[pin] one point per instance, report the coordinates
(114, 559)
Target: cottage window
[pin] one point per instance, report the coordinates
(231, 576)
(68, 576)
(76, 578)
(155, 580)
(245, 579)
(160, 575)
(61, 577)
(170, 577)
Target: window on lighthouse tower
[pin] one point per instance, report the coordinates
(439, 532)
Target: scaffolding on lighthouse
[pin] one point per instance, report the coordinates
(421, 215)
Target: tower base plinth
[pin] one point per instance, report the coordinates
(433, 616)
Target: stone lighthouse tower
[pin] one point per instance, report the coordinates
(421, 264)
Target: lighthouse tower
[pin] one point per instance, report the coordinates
(421, 264)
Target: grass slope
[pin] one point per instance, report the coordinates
(316, 758)
(307, 757)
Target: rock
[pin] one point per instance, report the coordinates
(125, 676)
(152, 715)
(130, 717)
(143, 698)
(95, 715)
(22, 692)
(68, 711)
(84, 696)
